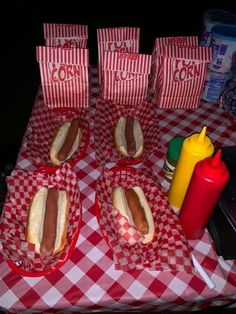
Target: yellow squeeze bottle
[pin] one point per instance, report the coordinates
(196, 147)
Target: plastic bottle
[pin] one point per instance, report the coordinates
(206, 185)
(214, 85)
(212, 18)
(196, 147)
(223, 43)
(172, 157)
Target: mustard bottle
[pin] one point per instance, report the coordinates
(196, 147)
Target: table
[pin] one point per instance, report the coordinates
(88, 280)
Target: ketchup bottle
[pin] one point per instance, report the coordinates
(206, 185)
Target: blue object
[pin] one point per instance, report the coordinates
(214, 85)
(225, 31)
(212, 18)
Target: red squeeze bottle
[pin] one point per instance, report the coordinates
(206, 185)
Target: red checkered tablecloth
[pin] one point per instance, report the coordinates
(88, 280)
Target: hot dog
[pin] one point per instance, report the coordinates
(128, 137)
(66, 141)
(137, 211)
(48, 221)
(133, 205)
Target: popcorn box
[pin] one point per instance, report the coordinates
(65, 35)
(64, 76)
(181, 76)
(159, 45)
(125, 77)
(123, 39)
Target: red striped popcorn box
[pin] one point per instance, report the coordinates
(64, 76)
(181, 76)
(65, 35)
(22, 186)
(125, 77)
(159, 45)
(168, 251)
(124, 39)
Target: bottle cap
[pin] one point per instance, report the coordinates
(174, 148)
(215, 167)
(200, 143)
(215, 160)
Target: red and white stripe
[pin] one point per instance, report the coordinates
(188, 63)
(180, 102)
(125, 77)
(61, 34)
(71, 87)
(159, 44)
(124, 39)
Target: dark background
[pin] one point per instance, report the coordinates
(23, 31)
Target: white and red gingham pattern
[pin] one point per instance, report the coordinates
(88, 281)
(23, 185)
(44, 124)
(123, 39)
(125, 77)
(181, 76)
(64, 76)
(169, 248)
(108, 114)
(159, 44)
(65, 35)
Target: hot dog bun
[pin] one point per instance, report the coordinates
(120, 138)
(61, 138)
(35, 222)
(120, 202)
